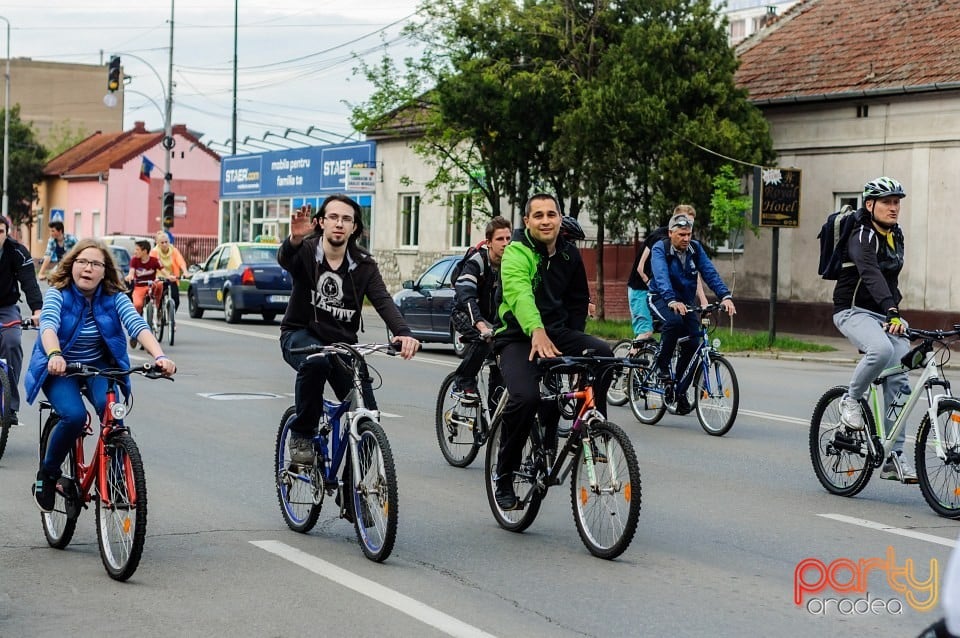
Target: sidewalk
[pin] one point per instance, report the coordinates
(845, 352)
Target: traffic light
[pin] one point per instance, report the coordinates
(167, 213)
(113, 74)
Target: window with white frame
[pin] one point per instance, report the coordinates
(461, 222)
(409, 220)
(847, 199)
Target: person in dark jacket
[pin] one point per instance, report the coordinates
(331, 276)
(17, 273)
(476, 300)
(678, 265)
(866, 301)
(543, 314)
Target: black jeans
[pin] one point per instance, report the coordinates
(312, 374)
(676, 326)
(522, 378)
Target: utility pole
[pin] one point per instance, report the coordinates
(168, 141)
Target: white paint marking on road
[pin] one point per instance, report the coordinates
(391, 415)
(234, 331)
(404, 604)
(774, 417)
(862, 522)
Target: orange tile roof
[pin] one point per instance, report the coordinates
(114, 155)
(830, 49)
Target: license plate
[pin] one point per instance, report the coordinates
(278, 299)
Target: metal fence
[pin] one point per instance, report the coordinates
(195, 248)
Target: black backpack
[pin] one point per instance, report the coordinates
(833, 238)
(458, 267)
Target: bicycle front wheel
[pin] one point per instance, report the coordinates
(171, 314)
(375, 492)
(841, 457)
(5, 410)
(644, 388)
(717, 396)
(122, 508)
(617, 394)
(940, 477)
(457, 425)
(525, 484)
(299, 489)
(150, 315)
(60, 523)
(605, 490)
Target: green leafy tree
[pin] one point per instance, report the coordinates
(27, 158)
(623, 109)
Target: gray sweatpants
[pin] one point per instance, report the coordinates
(881, 350)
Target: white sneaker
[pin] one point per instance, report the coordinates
(850, 413)
(898, 468)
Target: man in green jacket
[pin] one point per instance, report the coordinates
(543, 314)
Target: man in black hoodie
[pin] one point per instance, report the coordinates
(331, 276)
(16, 272)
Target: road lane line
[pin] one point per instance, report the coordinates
(404, 604)
(862, 522)
(774, 417)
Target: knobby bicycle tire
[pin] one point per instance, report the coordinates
(618, 393)
(644, 388)
(841, 471)
(122, 508)
(717, 396)
(60, 524)
(297, 490)
(524, 482)
(606, 514)
(940, 478)
(455, 426)
(6, 411)
(374, 492)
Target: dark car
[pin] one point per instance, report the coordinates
(121, 257)
(427, 303)
(240, 278)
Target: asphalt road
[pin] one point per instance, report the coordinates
(725, 523)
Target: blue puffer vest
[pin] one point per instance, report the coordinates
(71, 321)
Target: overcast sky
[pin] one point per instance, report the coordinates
(295, 57)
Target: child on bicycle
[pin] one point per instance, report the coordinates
(82, 320)
(144, 271)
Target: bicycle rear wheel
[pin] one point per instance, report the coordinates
(171, 314)
(524, 484)
(5, 409)
(299, 490)
(618, 393)
(456, 425)
(374, 492)
(644, 388)
(60, 523)
(841, 457)
(717, 396)
(940, 478)
(122, 508)
(607, 509)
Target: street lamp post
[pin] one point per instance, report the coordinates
(5, 207)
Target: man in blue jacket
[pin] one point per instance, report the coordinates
(677, 261)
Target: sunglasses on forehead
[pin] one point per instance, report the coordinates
(681, 223)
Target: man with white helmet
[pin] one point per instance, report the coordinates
(866, 302)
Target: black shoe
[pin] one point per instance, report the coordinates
(14, 420)
(45, 491)
(505, 496)
(683, 405)
(669, 396)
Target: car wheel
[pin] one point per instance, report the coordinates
(193, 305)
(269, 316)
(459, 347)
(230, 312)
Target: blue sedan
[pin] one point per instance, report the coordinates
(240, 278)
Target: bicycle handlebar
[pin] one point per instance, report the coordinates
(348, 349)
(587, 361)
(148, 370)
(937, 335)
(25, 324)
(710, 307)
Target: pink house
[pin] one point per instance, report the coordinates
(97, 188)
